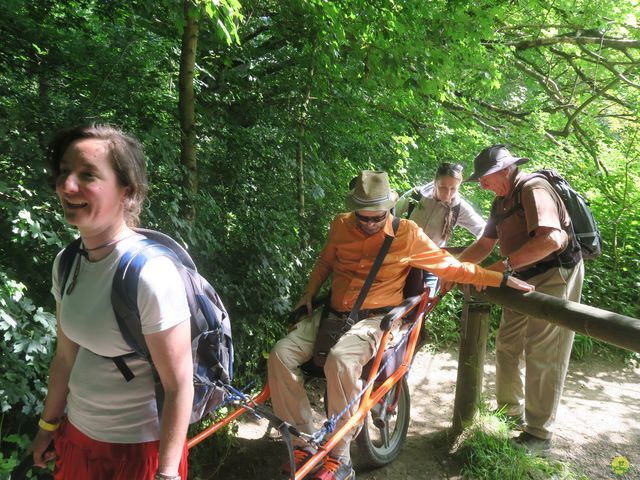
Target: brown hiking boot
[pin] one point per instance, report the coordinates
(534, 445)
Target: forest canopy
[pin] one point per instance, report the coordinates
(255, 116)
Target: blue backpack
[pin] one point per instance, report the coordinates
(211, 344)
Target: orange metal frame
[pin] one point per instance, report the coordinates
(370, 398)
(262, 397)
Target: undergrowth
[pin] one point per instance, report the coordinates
(206, 458)
(488, 455)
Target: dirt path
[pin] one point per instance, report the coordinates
(598, 419)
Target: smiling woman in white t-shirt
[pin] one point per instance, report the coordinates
(104, 427)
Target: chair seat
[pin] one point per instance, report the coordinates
(393, 357)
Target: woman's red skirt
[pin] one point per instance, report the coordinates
(79, 457)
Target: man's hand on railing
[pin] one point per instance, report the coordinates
(518, 284)
(511, 282)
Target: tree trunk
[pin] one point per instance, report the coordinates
(186, 110)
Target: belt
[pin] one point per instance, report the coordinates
(362, 314)
(542, 267)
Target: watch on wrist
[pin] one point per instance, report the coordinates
(507, 264)
(505, 277)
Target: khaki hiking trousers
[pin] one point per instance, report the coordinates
(539, 351)
(342, 369)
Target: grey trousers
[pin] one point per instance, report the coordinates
(539, 351)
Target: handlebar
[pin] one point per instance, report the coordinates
(301, 311)
(399, 312)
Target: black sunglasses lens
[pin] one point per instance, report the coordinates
(366, 219)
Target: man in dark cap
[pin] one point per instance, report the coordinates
(530, 223)
(354, 241)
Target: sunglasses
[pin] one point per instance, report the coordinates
(365, 219)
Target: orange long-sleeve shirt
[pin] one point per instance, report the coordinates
(349, 254)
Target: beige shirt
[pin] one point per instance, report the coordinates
(430, 214)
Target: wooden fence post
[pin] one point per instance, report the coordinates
(473, 346)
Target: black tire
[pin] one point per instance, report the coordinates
(380, 445)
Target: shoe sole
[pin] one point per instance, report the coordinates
(352, 476)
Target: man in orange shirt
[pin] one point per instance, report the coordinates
(353, 244)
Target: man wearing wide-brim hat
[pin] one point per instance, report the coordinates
(531, 225)
(354, 241)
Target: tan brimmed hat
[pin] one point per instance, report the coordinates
(493, 159)
(371, 192)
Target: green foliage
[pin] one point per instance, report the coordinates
(443, 326)
(292, 99)
(28, 334)
(226, 14)
(28, 338)
(16, 443)
(202, 464)
(489, 456)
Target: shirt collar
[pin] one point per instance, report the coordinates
(516, 180)
(351, 221)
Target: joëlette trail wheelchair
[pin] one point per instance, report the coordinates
(384, 404)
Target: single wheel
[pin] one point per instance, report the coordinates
(385, 427)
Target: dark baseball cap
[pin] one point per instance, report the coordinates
(493, 159)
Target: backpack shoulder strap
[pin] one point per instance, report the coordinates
(66, 263)
(414, 200)
(124, 300)
(165, 240)
(124, 290)
(548, 176)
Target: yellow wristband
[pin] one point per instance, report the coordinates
(49, 427)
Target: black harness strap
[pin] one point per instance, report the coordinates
(286, 435)
(416, 196)
(355, 311)
(123, 367)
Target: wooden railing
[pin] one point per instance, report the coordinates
(607, 326)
